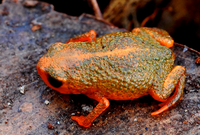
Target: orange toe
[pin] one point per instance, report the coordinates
(162, 109)
(80, 120)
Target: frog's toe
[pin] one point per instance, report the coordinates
(80, 120)
(88, 36)
(164, 108)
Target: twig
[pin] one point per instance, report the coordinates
(96, 9)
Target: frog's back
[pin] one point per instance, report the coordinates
(120, 66)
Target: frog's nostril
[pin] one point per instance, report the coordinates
(55, 83)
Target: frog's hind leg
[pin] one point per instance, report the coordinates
(175, 80)
(160, 35)
(88, 36)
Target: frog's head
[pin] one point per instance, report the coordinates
(51, 66)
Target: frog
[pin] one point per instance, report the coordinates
(115, 66)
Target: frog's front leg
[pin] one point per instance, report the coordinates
(88, 36)
(101, 106)
(175, 80)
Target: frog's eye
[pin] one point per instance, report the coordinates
(55, 83)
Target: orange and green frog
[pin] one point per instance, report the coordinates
(116, 66)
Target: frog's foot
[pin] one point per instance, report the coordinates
(81, 120)
(87, 121)
(160, 35)
(88, 36)
(175, 80)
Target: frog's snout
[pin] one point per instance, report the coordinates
(49, 80)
